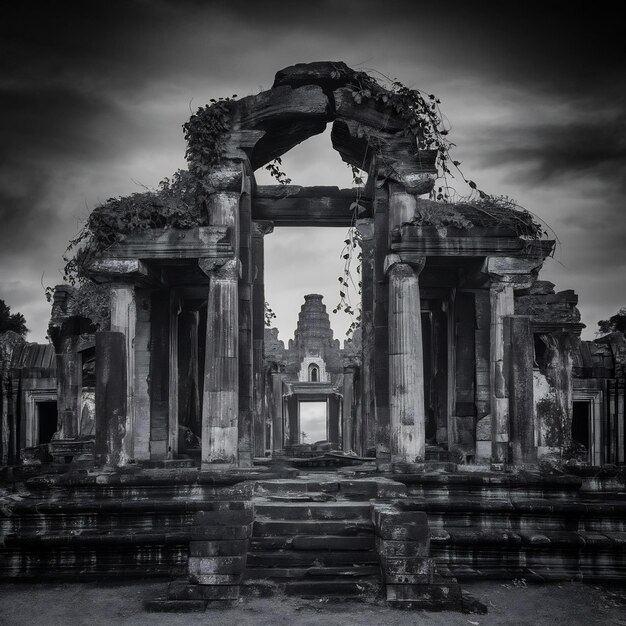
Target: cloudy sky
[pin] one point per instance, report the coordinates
(93, 95)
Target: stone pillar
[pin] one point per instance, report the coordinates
(293, 419)
(278, 437)
(380, 372)
(506, 274)
(172, 430)
(123, 318)
(365, 426)
(559, 363)
(259, 230)
(69, 388)
(111, 399)
(501, 298)
(519, 336)
(347, 431)
(406, 367)
(220, 406)
(402, 206)
(246, 357)
(333, 417)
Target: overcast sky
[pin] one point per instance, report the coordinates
(93, 96)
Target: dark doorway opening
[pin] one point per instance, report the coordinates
(46, 420)
(581, 424)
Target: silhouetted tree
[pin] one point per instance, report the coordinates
(11, 321)
(615, 323)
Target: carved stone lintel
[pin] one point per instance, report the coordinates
(521, 273)
(122, 271)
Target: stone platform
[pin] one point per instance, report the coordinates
(308, 532)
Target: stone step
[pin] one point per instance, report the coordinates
(339, 488)
(312, 528)
(308, 542)
(294, 558)
(93, 562)
(311, 511)
(539, 564)
(333, 588)
(94, 538)
(503, 537)
(311, 573)
(297, 486)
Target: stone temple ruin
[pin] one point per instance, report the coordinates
(167, 440)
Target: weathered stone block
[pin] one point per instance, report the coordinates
(218, 548)
(436, 593)
(215, 579)
(200, 565)
(483, 429)
(223, 518)
(410, 565)
(390, 548)
(220, 533)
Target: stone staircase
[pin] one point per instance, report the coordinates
(313, 538)
(314, 531)
(524, 526)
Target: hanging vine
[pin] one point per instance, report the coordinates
(427, 125)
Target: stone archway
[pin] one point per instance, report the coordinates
(368, 135)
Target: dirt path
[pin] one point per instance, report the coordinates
(101, 604)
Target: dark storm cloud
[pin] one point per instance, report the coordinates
(542, 153)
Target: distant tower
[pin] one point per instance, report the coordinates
(314, 353)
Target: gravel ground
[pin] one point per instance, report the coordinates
(100, 604)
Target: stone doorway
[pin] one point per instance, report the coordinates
(313, 421)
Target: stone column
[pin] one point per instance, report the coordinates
(406, 367)
(259, 230)
(519, 336)
(246, 356)
(220, 407)
(347, 431)
(69, 387)
(172, 430)
(111, 399)
(506, 274)
(123, 318)
(333, 419)
(365, 426)
(557, 423)
(501, 298)
(278, 437)
(380, 372)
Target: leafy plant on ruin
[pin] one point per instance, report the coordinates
(92, 301)
(206, 132)
(172, 205)
(426, 124)
(268, 315)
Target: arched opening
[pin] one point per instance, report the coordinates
(314, 373)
